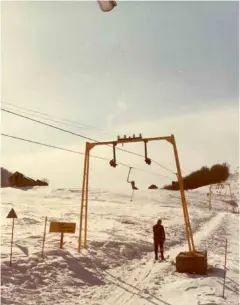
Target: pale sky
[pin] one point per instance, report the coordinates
(158, 68)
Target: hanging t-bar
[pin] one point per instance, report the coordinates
(132, 182)
(130, 168)
(133, 185)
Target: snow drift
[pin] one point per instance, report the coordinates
(118, 266)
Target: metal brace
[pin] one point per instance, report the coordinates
(113, 161)
(147, 160)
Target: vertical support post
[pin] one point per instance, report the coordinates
(86, 200)
(10, 263)
(82, 200)
(210, 197)
(184, 203)
(61, 241)
(225, 269)
(44, 235)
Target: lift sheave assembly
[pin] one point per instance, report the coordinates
(190, 261)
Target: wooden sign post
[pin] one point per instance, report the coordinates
(62, 227)
(12, 214)
(61, 241)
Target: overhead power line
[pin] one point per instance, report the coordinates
(47, 145)
(80, 153)
(64, 120)
(81, 136)
(75, 124)
(53, 120)
(49, 125)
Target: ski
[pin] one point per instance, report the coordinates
(160, 261)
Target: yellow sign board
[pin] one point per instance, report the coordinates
(62, 227)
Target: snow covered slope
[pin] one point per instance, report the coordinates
(118, 266)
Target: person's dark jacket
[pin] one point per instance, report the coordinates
(158, 233)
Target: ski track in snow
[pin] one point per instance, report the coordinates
(145, 271)
(118, 267)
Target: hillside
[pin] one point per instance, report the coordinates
(118, 266)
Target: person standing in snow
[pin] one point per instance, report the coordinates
(159, 238)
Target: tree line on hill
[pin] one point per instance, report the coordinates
(218, 173)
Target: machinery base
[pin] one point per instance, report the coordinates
(194, 263)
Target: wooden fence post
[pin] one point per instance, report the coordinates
(225, 269)
(44, 235)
